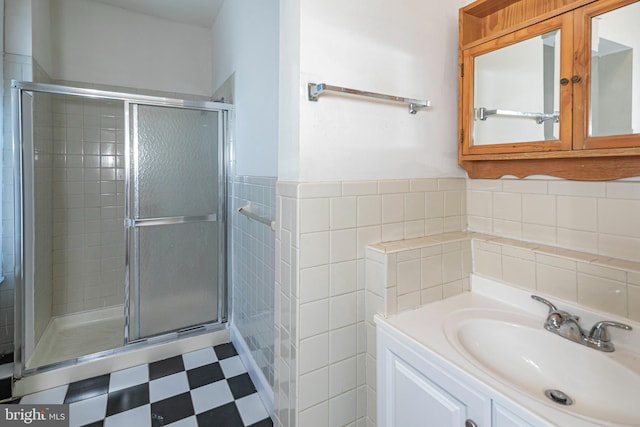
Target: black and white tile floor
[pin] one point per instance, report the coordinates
(205, 388)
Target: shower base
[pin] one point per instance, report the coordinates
(74, 335)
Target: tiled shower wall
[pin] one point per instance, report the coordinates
(253, 276)
(321, 368)
(88, 194)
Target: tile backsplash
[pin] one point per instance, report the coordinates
(594, 217)
(600, 282)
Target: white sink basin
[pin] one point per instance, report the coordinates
(517, 351)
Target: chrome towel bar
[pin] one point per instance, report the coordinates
(315, 89)
(482, 113)
(246, 211)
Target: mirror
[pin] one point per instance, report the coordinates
(615, 72)
(516, 92)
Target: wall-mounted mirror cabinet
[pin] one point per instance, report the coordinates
(550, 87)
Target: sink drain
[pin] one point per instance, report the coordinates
(558, 397)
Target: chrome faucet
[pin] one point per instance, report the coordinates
(567, 326)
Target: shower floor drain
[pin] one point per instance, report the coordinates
(558, 397)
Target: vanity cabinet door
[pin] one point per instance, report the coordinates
(413, 392)
(418, 401)
(502, 417)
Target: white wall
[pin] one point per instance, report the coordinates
(245, 42)
(42, 40)
(378, 47)
(102, 44)
(17, 18)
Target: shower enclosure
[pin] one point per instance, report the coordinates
(120, 222)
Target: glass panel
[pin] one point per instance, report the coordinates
(516, 92)
(177, 162)
(74, 180)
(178, 275)
(615, 72)
(174, 269)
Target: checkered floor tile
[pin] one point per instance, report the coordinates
(206, 388)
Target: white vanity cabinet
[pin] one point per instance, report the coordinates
(416, 388)
(413, 391)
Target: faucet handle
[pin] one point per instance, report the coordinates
(548, 303)
(599, 331)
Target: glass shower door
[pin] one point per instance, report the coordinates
(174, 230)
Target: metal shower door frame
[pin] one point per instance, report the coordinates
(132, 222)
(20, 261)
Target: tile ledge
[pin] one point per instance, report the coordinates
(395, 246)
(578, 256)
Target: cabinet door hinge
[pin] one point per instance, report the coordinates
(461, 136)
(462, 70)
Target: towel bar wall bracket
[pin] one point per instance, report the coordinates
(246, 211)
(314, 90)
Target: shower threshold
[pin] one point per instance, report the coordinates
(74, 335)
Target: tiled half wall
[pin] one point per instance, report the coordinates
(323, 229)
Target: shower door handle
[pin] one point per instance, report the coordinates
(147, 222)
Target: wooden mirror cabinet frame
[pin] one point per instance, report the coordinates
(486, 25)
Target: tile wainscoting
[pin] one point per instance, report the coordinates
(348, 250)
(323, 229)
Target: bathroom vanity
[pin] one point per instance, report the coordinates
(483, 358)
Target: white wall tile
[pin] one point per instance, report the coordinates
(392, 208)
(314, 318)
(603, 294)
(619, 217)
(314, 249)
(577, 188)
(343, 278)
(586, 241)
(414, 206)
(539, 209)
(619, 246)
(343, 343)
(408, 273)
(519, 271)
(557, 281)
(507, 206)
(578, 213)
(314, 353)
(314, 215)
(314, 388)
(343, 212)
(393, 186)
(342, 310)
(342, 377)
(369, 210)
(343, 245)
(480, 203)
(314, 283)
(343, 409)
